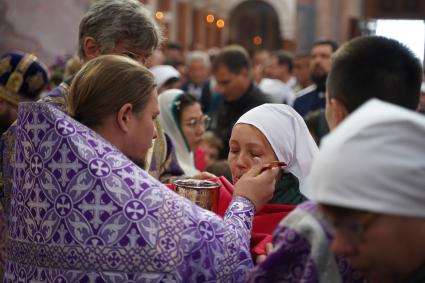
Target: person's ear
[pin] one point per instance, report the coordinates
(91, 48)
(124, 117)
(338, 110)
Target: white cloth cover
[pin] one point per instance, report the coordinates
(374, 161)
(278, 91)
(288, 135)
(171, 126)
(163, 73)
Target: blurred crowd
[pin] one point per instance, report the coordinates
(85, 157)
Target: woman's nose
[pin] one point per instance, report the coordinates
(200, 129)
(342, 245)
(243, 162)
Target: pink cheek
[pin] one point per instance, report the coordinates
(241, 173)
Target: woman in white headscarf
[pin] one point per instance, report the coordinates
(274, 132)
(183, 120)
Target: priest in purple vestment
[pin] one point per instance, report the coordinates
(82, 211)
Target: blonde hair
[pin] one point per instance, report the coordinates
(105, 84)
(72, 66)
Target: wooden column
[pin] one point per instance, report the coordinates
(199, 27)
(211, 30)
(164, 6)
(182, 23)
(220, 38)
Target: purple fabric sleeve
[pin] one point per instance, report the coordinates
(301, 252)
(82, 212)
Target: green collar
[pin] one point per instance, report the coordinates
(287, 191)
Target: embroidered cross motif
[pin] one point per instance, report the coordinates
(97, 207)
(38, 204)
(64, 165)
(37, 126)
(99, 168)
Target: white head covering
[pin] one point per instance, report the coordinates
(163, 73)
(278, 91)
(288, 135)
(171, 126)
(374, 161)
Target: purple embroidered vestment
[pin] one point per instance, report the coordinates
(82, 212)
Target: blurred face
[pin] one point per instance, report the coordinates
(142, 130)
(211, 153)
(198, 72)
(385, 248)
(193, 125)
(261, 63)
(261, 58)
(302, 71)
(278, 71)
(321, 59)
(246, 143)
(232, 86)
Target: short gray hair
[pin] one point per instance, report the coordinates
(111, 21)
(198, 55)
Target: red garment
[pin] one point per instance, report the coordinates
(200, 162)
(265, 221)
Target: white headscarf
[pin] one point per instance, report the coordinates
(288, 135)
(278, 91)
(374, 161)
(162, 73)
(171, 126)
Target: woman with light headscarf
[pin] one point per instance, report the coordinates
(182, 118)
(274, 132)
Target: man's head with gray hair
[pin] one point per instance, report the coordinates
(118, 26)
(198, 55)
(198, 64)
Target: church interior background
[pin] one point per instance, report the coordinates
(49, 28)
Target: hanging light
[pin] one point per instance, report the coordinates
(159, 15)
(257, 40)
(220, 23)
(210, 18)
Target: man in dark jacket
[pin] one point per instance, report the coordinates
(312, 98)
(232, 71)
